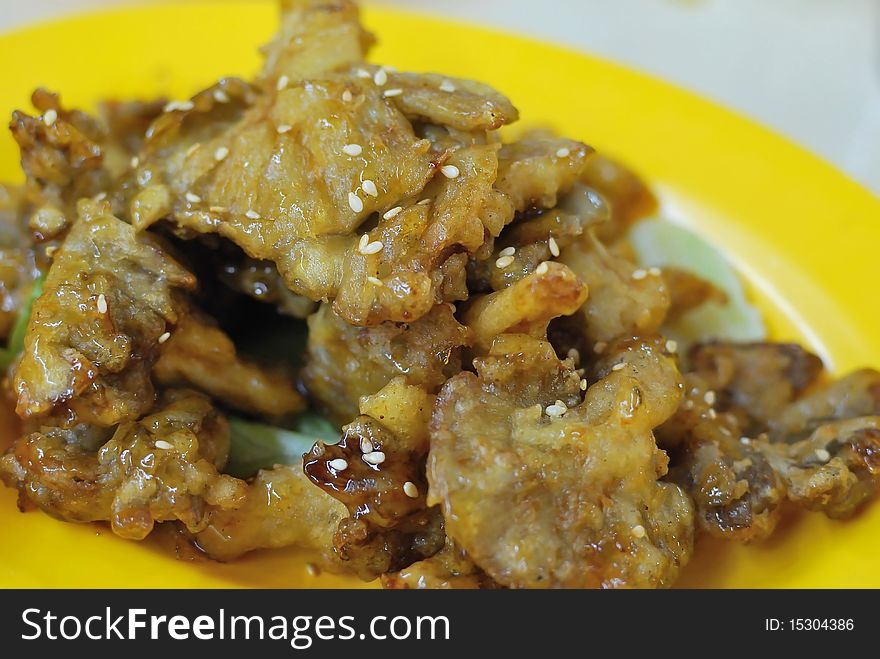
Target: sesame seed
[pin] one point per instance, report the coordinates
(374, 457)
(161, 443)
(135, 161)
(450, 171)
(654, 271)
(220, 96)
(639, 274)
(709, 397)
(725, 431)
(507, 251)
(221, 153)
(363, 73)
(192, 198)
(218, 209)
(184, 106)
(638, 531)
(355, 203)
(373, 248)
(282, 83)
(745, 440)
(380, 78)
(599, 347)
(352, 149)
(557, 409)
(392, 92)
(447, 86)
(618, 367)
(50, 250)
(369, 187)
(338, 464)
(50, 117)
(671, 346)
(254, 215)
(392, 213)
(312, 570)
(102, 304)
(583, 385)
(364, 241)
(424, 202)
(543, 268)
(712, 413)
(164, 337)
(366, 445)
(283, 128)
(192, 149)
(823, 455)
(375, 281)
(688, 404)
(101, 196)
(346, 96)
(410, 490)
(553, 245)
(563, 153)
(503, 262)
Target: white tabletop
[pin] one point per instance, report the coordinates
(809, 69)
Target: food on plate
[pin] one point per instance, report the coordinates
(337, 307)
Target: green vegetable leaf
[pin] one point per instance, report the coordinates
(16, 337)
(258, 446)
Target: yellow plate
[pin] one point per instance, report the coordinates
(803, 236)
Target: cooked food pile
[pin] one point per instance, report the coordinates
(330, 307)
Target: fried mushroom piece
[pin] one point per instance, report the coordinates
(162, 467)
(345, 363)
(736, 491)
(754, 381)
(281, 508)
(566, 493)
(93, 333)
(624, 300)
(199, 354)
(288, 170)
(377, 471)
(526, 307)
(854, 395)
(449, 568)
(18, 268)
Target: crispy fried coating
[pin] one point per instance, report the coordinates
(754, 380)
(377, 471)
(199, 354)
(18, 268)
(449, 568)
(281, 508)
(344, 362)
(526, 307)
(93, 333)
(569, 499)
(162, 467)
(620, 304)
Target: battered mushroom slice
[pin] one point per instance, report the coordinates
(160, 468)
(93, 333)
(624, 300)
(449, 568)
(289, 169)
(736, 490)
(544, 489)
(344, 362)
(754, 381)
(199, 354)
(281, 508)
(377, 471)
